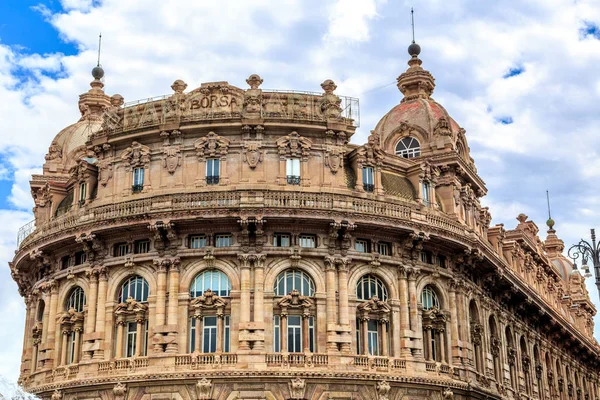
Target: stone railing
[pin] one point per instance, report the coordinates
(145, 207)
(296, 359)
(372, 362)
(197, 360)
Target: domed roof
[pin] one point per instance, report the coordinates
(564, 267)
(74, 136)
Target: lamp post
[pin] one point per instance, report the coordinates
(587, 251)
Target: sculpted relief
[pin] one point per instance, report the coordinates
(252, 154)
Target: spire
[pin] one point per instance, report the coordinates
(416, 82)
(94, 101)
(554, 245)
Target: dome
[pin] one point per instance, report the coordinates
(564, 267)
(74, 136)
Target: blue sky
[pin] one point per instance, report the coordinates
(520, 76)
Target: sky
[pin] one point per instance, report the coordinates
(520, 76)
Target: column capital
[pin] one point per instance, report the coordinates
(245, 259)
(413, 273)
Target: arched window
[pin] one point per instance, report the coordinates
(294, 279)
(214, 280)
(135, 287)
(76, 300)
(369, 286)
(408, 147)
(40, 311)
(476, 335)
(429, 299)
(495, 346)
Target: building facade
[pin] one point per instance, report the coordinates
(227, 243)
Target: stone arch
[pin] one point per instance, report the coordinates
(65, 291)
(387, 277)
(191, 270)
(313, 270)
(439, 287)
(39, 310)
(119, 276)
(402, 131)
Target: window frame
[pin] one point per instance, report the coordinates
(76, 298)
(293, 170)
(429, 298)
(138, 179)
(278, 239)
(137, 246)
(132, 282)
(368, 176)
(282, 285)
(408, 151)
(218, 282)
(368, 282)
(307, 237)
(192, 239)
(386, 245)
(220, 236)
(213, 171)
(366, 243)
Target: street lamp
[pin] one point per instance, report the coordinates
(587, 251)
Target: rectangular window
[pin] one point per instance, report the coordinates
(212, 171)
(385, 249)
(361, 245)
(276, 334)
(82, 193)
(307, 241)
(368, 181)
(426, 190)
(294, 332)
(144, 351)
(193, 335)
(138, 180)
(198, 241)
(281, 240)
(373, 335)
(71, 350)
(292, 169)
(311, 334)
(80, 258)
(439, 261)
(141, 246)
(223, 240)
(131, 338)
(122, 249)
(425, 257)
(209, 335)
(226, 334)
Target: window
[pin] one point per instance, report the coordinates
(141, 246)
(67, 261)
(362, 246)
(135, 287)
(308, 241)
(276, 334)
(292, 279)
(369, 286)
(429, 298)
(214, 280)
(293, 171)
(368, 182)
(198, 241)
(223, 240)
(122, 249)
(281, 240)
(131, 339)
(76, 300)
(212, 171)
(71, 348)
(426, 190)
(138, 180)
(439, 261)
(294, 334)
(209, 334)
(226, 334)
(82, 193)
(408, 148)
(385, 249)
(425, 257)
(80, 258)
(373, 335)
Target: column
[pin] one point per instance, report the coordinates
(343, 302)
(52, 325)
(173, 292)
(444, 345)
(244, 300)
(77, 345)
(259, 298)
(427, 339)
(198, 333)
(90, 320)
(65, 347)
(330, 304)
(453, 317)
(46, 317)
(305, 334)
(101, 310)
(365, 334)
(220, 331)
(34, 355)
(120, 326)
(161, 290)
(139, 335)
(384, 337)
(283, 319)
(412, 299)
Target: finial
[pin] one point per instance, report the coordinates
(414, 49)
(98, 72)
(550, 221)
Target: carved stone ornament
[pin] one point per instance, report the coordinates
(136, 155)
(119, 390)
(42, 196)
(212, 145)
(54, 152)
(105, 171)
(253, 96)
(297, 388)
(442, 128)
(204, 387)
(371, 153)
(447, 394)
(330, 103)
(171, 157)
(334, 159)
(57, 395)
(252, 154)
(294, 145)
(383, 390)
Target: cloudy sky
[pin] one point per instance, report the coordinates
(520, 76)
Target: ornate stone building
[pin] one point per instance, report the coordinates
(226, 243)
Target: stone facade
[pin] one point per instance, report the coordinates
(224, 243)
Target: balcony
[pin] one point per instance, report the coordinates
(137, 188)
(212, 180)
(293, 180)
(369, 187)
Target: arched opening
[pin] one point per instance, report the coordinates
(569, 380)
(71, 326)
(526, 365)
(210, 324)
(373, 317)
(495, 346)
(476, 336)
(560, 381)
(294, 322)
(408, 147)
(434, 326)
(511, 358)
(551, 377)
(539, 371)
(132, 318)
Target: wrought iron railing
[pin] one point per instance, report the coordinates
(293, 180)
(137, 188)
(25, 231)
(212, 180)
(368, 187)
